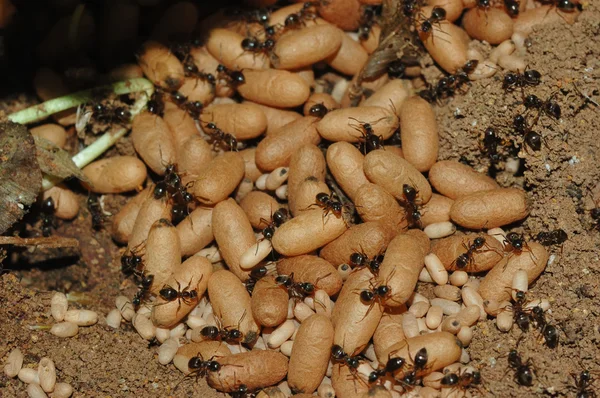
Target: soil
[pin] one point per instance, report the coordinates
(101, 361)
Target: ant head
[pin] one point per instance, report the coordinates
(235, 334)
(48, 204)
(353, 362)
(438, 13)
(421, 358)
(322, 197)
(374, 266)
(382, 290)
(160, 190)
(476, 377)
(565, 5)
(357, 259)
(283, 280)
(585, 375)
(318, 110)
(214, 366)
(270, 30)
(520, 295)
(490, 132)
(426, 26)
(479, 241)
(147, 281)
(450, 379)
(238, 77)
(307, 287)
(221, 68)
(259, 272)
(280, 216)
(249, 43)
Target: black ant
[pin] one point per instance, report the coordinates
(563, 5)
(410, 378)
(392, 365)
(548, 107)
(108, 114)
(339, 356)
(318, 110)
(396, 69)
(490, 145)
(583, 385)
(278, 218)
(517, 243)
(529, 77)
(521, 316)
(298, 19)
(255, 275)
(144, 285)
(549, 332)
(201, 367)
(462, 380)
(133, 262)
(523, 370)
(253, 45)
(242, 392)
(95, 210)
(360, 260)
(233, 77)
(532, 139)
(220, 138)
(156, 104)
(172, 186)
(329, 204)
(227, 333)
(447, 86)
(410, 205)
(483, 5)
(438, 14)
(296, 290)
(466, 259)
(369, 141)
(556, 237)
(186, 295)
(47, 215)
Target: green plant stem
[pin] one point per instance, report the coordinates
(43, 110)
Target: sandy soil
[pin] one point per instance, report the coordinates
(103, 362)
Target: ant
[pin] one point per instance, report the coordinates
(396, 69)
(278, 218)
(529, 77)
(106, 114)
(462, 380)
(392, 365)
(255, 275)
(410, 378)
(318, 110)
(563, 5)
(530, 137)
(410, 205)
(523, 370)
(186, 295)
(232, 77)
(156, 104)
(521, 316)
(339, 356)
(298, 19)
(132, 263)
(96, 211)
(359, 260)
(201, 367)
(253, 45)
(47, 214)
(368, 140)
(329, 204)
(548, 331)
(227, 333)
(438, 14)
(221, 138)
(242, 392)
(145, 284)
(466, 259)
(376, 293)
(296, 290)
(548, 107)
(447, 86)
(556, 237)
(583, 385)
(490, 145)
(172, 186)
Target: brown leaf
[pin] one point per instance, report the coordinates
(55, 161)
(20, 175)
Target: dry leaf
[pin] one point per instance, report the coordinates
(56, 162)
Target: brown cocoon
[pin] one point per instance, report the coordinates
(245, 121)
(354, 321)
(219, 178)
(490, 209)
(162, 253)
(345, 124)
(546, 14)
(192, 274)
(391, 172)
(259, 205)
(193, 155)
(307, 232)
(454, 179)
(231, 303)
(310, 354)
(313, 269)
(443, 349)
(304, 196)
(233, 233)
(447, 45)
(52, 132)
(203, 349)
(346, 165)
(373, 203)
(116, 174)
(181, 124)
(272, 87)
(320, 98)
(496, 285)
(195, 231)
(161, 66)
(150, 211)
(436, 210)
(345, 384)
(276, 149)
(394, 92)
(492, 25)
(400, 269)
(304, 47)
(269, 302)
(419, 133)
(350, 57)
(276, 118)
(251, 171)
(256, 369)
(370, 238)
(123, 221)
(448, 249)
(388, 332)
(345, 14)
(66, 203)
(153, 141)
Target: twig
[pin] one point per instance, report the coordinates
(50, 242)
